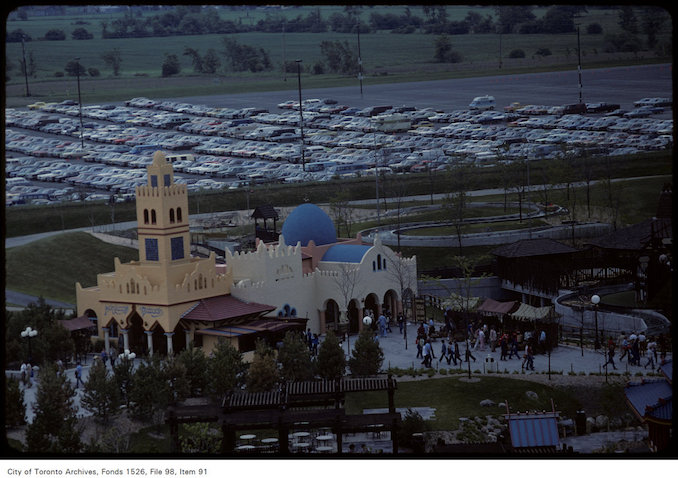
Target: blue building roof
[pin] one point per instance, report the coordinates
(352, 253)
(534, 430)
(308, 223)
(651, 399)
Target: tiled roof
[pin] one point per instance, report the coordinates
(534, 430)
(224, 307)
(533, 247)
(351, 253)
(651, 398)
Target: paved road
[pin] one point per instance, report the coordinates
(622, 85)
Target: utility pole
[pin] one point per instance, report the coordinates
(301, 116)
(360, 63)
(23, 50)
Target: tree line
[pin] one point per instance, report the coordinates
(518, 19)
(145, 388)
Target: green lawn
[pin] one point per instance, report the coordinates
(51, 267)
(453, 398)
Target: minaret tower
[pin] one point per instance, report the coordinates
(162, 216)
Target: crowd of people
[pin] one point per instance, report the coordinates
(634, 347)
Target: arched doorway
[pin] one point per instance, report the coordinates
(390, 303)
(159, 340)
(137, 338)
(331, 315)
(372, 305)
(353, 316)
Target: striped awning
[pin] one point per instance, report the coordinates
(493, 307)
(528, 312)
(78, 323)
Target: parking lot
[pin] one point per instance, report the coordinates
(214, 147)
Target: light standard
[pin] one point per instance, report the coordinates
(29, 333)
(23, 51)
(595, 300)
(77, 73)
(301, 115)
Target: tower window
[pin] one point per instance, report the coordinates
(153, 216)
(171, 216)
(151, 249)
(166, 180)
(177, 244)
(179, 214)
(145, 216)
(154, 181)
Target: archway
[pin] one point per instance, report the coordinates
(331, 315)
(159, 340)
(354, 316)
(137, 338)
(372, 305)
(391, 303)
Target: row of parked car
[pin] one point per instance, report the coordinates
(238, 146)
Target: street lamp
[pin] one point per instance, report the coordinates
(29, 333)
(595, 300)
(301, 115)
(77, 73)
(367, 320)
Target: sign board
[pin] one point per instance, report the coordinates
(419, 309)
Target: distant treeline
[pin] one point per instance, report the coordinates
(199, 20)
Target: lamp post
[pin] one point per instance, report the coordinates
(595, 300)
(301, 115)
(23, 51)
(77, 73)
(29, 333)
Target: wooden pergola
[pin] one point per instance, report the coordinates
(297, 406)
(263, 232)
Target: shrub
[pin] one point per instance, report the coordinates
(543, 52)
(517, 53)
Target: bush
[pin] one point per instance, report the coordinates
(543, 52)
(517, 53)
(93, 72)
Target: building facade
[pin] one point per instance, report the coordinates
(168, 299)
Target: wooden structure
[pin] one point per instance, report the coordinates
(265, 212)
(298, 406)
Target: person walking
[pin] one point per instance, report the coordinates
(457, 355)
(469, 354)
(514, 345)
(104, 357)
(610, 354)
(24, 368)
(529, 354)
(420, 347)
(503, 345)
(382, 325)
(651, 353)
(635, 351)
(624, 347)
(493, 339)
(401, 323)
(78, 375)
(451, 356)
(443, 352)
(428, 354)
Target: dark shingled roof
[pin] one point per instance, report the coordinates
(224, 307)
(635, 237)
(533, 247)
(78, 323)
(265, 211)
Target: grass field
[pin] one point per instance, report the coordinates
(386, 57)
(50, 267)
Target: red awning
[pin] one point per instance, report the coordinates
(78, 323)
(493, 307)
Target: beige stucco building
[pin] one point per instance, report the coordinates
(309, 278)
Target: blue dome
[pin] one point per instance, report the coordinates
(308, 222)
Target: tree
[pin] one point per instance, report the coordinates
(101, 395)
(342, 212)
(81, 34)
(55, 35)
(75, 68)
(149, 390)
(339, 56)
(263, 374)
(226, 370)
(54, 428)
(331, 362)
(196, 59)
(15, 407)
(113, 60)
(294, 359)
(171, 65)
(196, 363)
(124, 372)
(367, 356)
(628, 20)
(210, 62)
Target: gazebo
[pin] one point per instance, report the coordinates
(265, 212)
